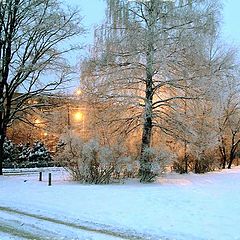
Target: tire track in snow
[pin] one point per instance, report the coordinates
(12, 231)
(94, 230)
(24, 227)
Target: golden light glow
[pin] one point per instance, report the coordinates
(31, 101)
(45, 134)
(37, 121)
(79, 92)
(78, 116)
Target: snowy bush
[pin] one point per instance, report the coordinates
(36, 155)
(89, 162)
(25, 156)
(24, 152)
(157, 162)
(40, 154)
(10, 154)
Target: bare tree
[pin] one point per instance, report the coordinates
(200, 116)
(228, 120)
(33, 46)
(140, 59)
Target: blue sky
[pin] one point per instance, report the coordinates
(231, 21)
(93, 12)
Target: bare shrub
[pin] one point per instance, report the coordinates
(90, 162)
(203, 163)
(206, 163)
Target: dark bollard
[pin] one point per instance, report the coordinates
(49, 179)
(40, 176)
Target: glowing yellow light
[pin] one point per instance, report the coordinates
(37, 121)
(45, 134)
(79, 92)
(78, 116)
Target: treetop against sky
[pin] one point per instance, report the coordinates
(93, 12)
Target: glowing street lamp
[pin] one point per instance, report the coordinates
(37, 121)
(78, 116)
(78, 92)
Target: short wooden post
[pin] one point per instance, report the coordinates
(40, 176)
(49, 179)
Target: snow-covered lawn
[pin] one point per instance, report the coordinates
(177, 207)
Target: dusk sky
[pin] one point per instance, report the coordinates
(231, 21)
(93, 12)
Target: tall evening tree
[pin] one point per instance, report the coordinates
(141, 57)
(33, 35)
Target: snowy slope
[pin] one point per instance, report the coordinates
(177, 207)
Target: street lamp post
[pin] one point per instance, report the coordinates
(68, 117)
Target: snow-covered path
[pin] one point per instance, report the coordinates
(22, 225)
(180, 207)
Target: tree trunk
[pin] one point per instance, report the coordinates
(196, 166)
(145, 165)
(4, 117)
(1, 157)
(1, 133)
(2, 138)
(222, 150)
(185, 157)
(224, 162)
(231, 157)
(233, 150)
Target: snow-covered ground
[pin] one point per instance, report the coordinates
(180, 207)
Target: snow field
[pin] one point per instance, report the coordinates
(181, 207)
